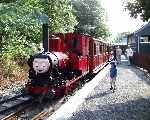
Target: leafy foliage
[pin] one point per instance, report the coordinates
(21, 30)
(90, 16)
(18, 29)
(139, 7)
(60, 15)
(7, 1)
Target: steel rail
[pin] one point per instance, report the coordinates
(13, 115)
(49, 110)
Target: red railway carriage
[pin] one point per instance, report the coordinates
(85, 53)
(76, 46)
(70, 56)
(97, 54)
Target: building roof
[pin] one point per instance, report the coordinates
(144, 30)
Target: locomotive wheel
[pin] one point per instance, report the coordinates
(50, 95)
(25, 91)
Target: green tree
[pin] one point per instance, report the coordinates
(19, 23)
(21, 30)
(139, 7)
(7, 1)
(90, 17)
(60, 15)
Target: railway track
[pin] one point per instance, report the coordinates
(16, 107)
(22, 109)
(10, 107)
(44, 113)
(50, 108)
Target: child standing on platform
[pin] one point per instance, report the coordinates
(113, 75)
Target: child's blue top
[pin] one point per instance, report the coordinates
(113, 71)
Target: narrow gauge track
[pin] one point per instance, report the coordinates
(15, 107)
(11, 106)
(40, 112)
(49, 109)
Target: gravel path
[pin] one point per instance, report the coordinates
(131, 100)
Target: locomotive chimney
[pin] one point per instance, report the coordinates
(45, 37)
(44, 19)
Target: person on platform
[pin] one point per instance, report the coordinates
(113, 76)
(129, 54)
(118, 55)
(114, 53)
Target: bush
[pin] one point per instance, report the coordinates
(15, 54)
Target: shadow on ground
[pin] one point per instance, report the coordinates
(99, 95)
(131, 110)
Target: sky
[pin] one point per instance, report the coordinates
(119, 20)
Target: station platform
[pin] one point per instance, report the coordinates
(95, 101)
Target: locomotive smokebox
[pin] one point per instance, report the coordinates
(45, 37)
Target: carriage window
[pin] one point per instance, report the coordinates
(100, 48)
(108, 49)
(74, 43)
(94, 49)
(104, 48)
(145, 39)
(97, 48)
(65, 41)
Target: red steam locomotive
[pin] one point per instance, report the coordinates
(67, 58)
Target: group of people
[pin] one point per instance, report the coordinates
(116, 55)
(116, 58)
(117, 52)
